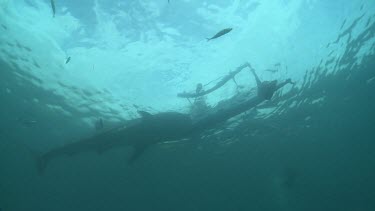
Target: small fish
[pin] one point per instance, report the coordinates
(277, 64)
(27, 48)
(53, 7)
(271, 70)
(27, 122)
(220, 33)
(67, 60)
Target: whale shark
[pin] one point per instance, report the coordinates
(140, 134)
(162, 127)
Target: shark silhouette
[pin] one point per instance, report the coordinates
(165, 126)
(142, 133)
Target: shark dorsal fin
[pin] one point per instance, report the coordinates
(144, 114)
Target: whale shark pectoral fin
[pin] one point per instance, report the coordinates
(138, 151)
(41, 161)
(144, 114)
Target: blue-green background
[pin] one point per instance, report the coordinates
(310, 148)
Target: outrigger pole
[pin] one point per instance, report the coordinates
(218, 85)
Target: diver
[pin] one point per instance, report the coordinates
(199, 107)
(266, 89)
(234, 106)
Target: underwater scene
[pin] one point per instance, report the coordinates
(187, 105)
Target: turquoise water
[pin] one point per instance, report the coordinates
(309, 148)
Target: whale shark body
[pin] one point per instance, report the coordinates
(152, 129)
(142, 133)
